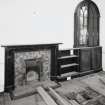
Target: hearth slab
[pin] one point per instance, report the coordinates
(28, 90)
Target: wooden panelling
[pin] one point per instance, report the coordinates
(85, 59)
(90, 58)
(99, 57)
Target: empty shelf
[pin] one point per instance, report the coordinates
(69, 65)
(68, 74)
(64, 57)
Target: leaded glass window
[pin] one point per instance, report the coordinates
(86, 24)
(83, 25)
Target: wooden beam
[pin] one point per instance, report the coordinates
(60, 99)
(38, 100)
(73, 102)
(46, 97)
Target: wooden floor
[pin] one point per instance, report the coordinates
(87, 90)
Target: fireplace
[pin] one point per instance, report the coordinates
(34, 70)
(25, 64)
(31, 66)
(32, 76)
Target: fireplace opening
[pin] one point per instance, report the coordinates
(34, 70)
(32, 76)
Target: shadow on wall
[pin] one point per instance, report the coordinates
(103, 60)
(1, 76)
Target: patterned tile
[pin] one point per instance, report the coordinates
(20, 67)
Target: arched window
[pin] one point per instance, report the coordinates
(83, 25)
(86, 24)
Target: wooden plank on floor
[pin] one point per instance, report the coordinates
(46, 97)
(39, 100)
(60, 99)
(73, 102)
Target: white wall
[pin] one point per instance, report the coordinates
(40, 21)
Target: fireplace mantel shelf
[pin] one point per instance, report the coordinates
(30, 45)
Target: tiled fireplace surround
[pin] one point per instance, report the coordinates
(44, 56)
(15, 66)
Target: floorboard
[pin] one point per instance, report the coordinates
(46, 97)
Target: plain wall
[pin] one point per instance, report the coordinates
(40, 21)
